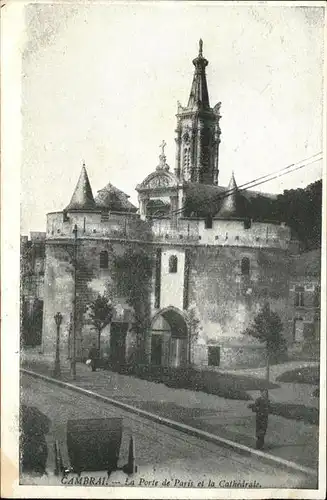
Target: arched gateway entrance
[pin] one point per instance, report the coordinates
(169, 338)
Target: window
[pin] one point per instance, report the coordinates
(299, 296)
(247, 223)
(104, 260)
(186, 162)
(208, 222)
(316, 297)
(245, 266)
(213, 356)
(173, 264)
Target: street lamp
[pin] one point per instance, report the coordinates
(73, 354)
(267, 353)
(58, 320)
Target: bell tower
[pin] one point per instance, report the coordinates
(198, 131)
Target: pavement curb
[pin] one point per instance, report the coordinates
(213, 438)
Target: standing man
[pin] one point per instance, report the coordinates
(261, 407)
(93, 356)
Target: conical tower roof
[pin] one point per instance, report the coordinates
(233, 202)
(199, 96)
(82, 198)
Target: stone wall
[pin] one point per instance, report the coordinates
(91, 225)
(222, 233)
(91, 280)
(242, 356)
(228, 301)
(227, 298)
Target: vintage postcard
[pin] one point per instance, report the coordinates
(163, 248)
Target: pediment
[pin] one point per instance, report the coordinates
(158, 180)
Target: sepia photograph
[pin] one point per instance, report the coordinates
(163, 297)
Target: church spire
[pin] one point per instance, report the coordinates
(199, 96)
(198, 131)
(82, 198)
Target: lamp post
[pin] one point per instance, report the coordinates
(267, 364)
(267, 352)
(73, 353)
(57, 371)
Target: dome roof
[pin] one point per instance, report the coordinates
(202, 200)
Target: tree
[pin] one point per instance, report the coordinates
(301, 209)
(193, 327)
(267, 327)
(133, 271)
(101, 312)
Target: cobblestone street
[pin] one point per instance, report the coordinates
(161, 453)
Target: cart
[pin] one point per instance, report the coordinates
(94, 445)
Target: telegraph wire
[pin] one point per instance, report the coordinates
(257, 181)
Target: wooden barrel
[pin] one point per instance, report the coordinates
(94, 444)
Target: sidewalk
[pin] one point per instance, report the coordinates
(275, 370)
(287, 392)
(289, 439)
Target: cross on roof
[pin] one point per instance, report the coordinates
(162, 146)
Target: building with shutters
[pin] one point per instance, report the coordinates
(214, 261)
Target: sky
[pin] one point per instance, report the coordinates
(100, 83)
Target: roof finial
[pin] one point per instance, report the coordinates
(83, 161)
(199, 97)
(200, 47)
(162, 157)
(162, 146)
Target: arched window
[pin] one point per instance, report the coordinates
(245, 266)
(186, 160)
(104, 260)
(173, 264)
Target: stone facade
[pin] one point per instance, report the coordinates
(88, 278)
(213, 266)
(304, 302)
(32, 252)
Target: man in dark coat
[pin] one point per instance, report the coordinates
(261, 408)
(93, 356)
